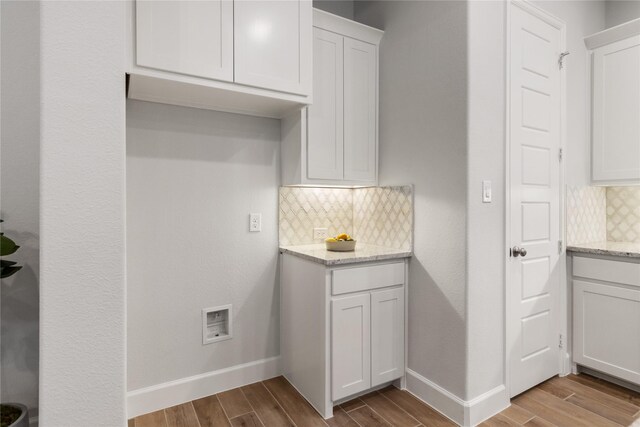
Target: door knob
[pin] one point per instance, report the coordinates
(516, 252)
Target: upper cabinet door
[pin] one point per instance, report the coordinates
(187, 37)
(325, 115)
(272, 45)
(616, 112)
(360, 95)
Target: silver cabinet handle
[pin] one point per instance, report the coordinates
(516, 252)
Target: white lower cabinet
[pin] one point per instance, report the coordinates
(342, 328)
(350, 345)
(606, 316)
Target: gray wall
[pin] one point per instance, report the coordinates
(620, 11)
(423, 140)
(193, 177)
(344, 8)
(19, 199)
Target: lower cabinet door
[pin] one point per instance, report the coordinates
(350, 345)
(387, 335)
(606, 325)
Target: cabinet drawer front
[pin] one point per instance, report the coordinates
(627, 273)
(606, 323)
(366, 278)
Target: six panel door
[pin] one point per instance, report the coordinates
(325, 115)
(187, 37)
(360, 127)
(387, 335)
(270, 51)
(534, 283)
(350, 345)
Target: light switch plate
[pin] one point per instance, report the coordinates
(486, 192)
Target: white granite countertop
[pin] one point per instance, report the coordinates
(623, 249)
(363, 253)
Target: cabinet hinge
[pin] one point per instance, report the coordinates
(560, 343)
(559, 246)
(560, 154)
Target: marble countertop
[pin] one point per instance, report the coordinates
(623, 249)
(363, 253)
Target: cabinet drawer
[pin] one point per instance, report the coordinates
(627, 273)
(367, 278)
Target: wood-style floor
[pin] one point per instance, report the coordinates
(573, 401)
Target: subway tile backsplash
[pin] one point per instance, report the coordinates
(378, 215)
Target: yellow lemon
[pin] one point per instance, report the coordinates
(331, 239)
(342, 236)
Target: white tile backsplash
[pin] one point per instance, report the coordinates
(586, 214)
(378, 216)
(623, 214)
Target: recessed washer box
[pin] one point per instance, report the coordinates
(216, 324)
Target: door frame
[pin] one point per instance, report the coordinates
(564, 365)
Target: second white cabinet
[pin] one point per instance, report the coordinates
(342, 327)
(616, 105)
(367, 340)
(334, 141)
(243, 56)
(606, 315)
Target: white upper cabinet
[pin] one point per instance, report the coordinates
(325, 149)
(360, 107)
(242, 56)
(335, 141)
(272, 40)
(187, 37)
(616, 105)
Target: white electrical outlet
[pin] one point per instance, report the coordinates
(255, 222)
(320, 233)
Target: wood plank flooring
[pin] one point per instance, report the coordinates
(572, 401)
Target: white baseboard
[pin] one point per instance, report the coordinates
(149, 399)
(462, 412)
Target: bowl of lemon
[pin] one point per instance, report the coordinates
(341, 243)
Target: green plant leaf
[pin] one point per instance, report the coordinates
(6, 263)
(7, 246)
(8, 271)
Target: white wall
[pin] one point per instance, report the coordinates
(19, 198)
(344, 8)
(193, 177)
(82, 214)
(620, 11)
(485, 222)
(423, 140)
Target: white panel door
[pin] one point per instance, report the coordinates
(272, 44)
(350, 345)
(535, 126)
(616, 111)
(387, 335)
(360, 127)
(606, 322)
(187, 37)
(325, 124)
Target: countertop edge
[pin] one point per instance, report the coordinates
(596, 251)
(332, 262)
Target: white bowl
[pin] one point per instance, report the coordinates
(341, 246)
